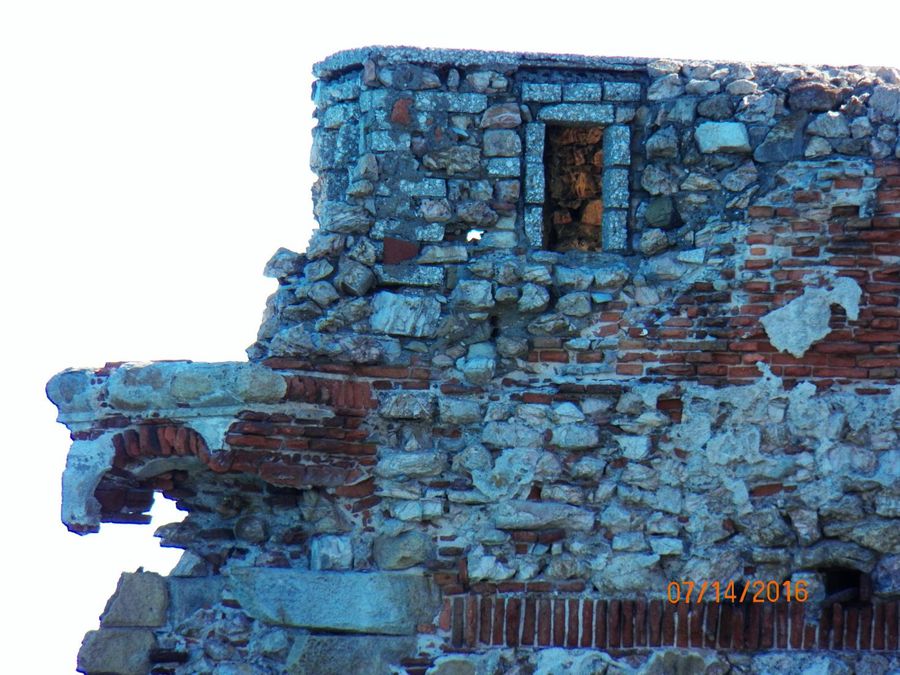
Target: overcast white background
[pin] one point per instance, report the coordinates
(154, 155)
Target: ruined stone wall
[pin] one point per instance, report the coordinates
(570, 329)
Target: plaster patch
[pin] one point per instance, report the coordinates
(804, 320)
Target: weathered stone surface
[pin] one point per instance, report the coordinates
(141, 600)
(401, 314)
(454, 160)
(411, 464)
(386, 603)
(501, 116)
(401, 552)
(409, 405)
(830, 125)
(343, 654)
(501, 143)
(534, 298)
(528, 515)
(805, 320)
(344, 218)
(354, 278)
(665, 87)
(722, 137)
(836, 554)
(653, 241)
(575, 437)
(473, 295)
(814, 96)
(116, 650)
(331, 552)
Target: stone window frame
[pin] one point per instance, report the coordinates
(610, 104)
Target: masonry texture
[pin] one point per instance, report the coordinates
(569, 329)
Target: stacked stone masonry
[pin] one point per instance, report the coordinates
(570, 329)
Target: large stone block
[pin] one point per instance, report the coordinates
(354, 602)
(123, 651)
(141, 599)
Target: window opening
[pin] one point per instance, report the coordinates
(573, 207)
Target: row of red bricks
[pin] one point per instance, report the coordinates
(543, 620)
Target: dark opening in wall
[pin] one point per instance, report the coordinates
(846, 585)
(573, 208)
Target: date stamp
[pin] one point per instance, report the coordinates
(757, 591)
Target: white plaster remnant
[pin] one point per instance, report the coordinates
(804, 320)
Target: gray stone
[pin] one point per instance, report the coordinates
(886, 576)
(501, 143)
(318, 269)
(662, 546)
(521, 514)
(401, 552)
(459, 411)
(282, 264)
(574, 304)
(251, 528)
(885, 104)
(442, 255)
(344, 218)
(615, 230)
(832, 553)
(805, 320)
(622, 91)
(429, 187)
(411, 464)
(717, 107)
(354, 278)
(665, 87)
(615, 188)
(722, 137)
(140, 600)
(454, 160)
(653, 241)
(383, 603)
(510, 435)
(504, 167)
(573, 278)
(583, 91)
(660, 212)
(406, 405)
(702, 87)
(815, 96)
(817, 147)
(578, 112)
(541, 93)
(743, 176)
(830, 125)
(741, 87)
(473, 295)
(343, 654)
(575, 436)
(617, 145)
(663, 144)
(453, 665)
(331, 552)
(409, 315)
(116, 650)
(408, 76)
(534, 298)
(658, 180)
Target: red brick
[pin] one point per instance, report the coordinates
(781, 625)
(513, 609)
(825, 629)
(400, 111)
(572, 629)
(486, 613)
(398, 250)
(725, 625)
(559, 622)
(737, 627)
(837, 623)
(668, 625)
(654, 617)
(498, 623)
(630, 369)
(445, 615)
(529, 621)
(878, 627)
(587, 622)
(544, 622)
(600, 635)
(456, 630)
(711, 624)
(760, 212)
(890, 622)
(865, 627)
(797, 618)
(695, 618)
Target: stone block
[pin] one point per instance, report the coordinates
(141, 599)
(122, 651)
(344, 654)
(380, 603)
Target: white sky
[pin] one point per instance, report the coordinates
(154, 155)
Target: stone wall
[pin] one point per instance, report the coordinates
(570, 329)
